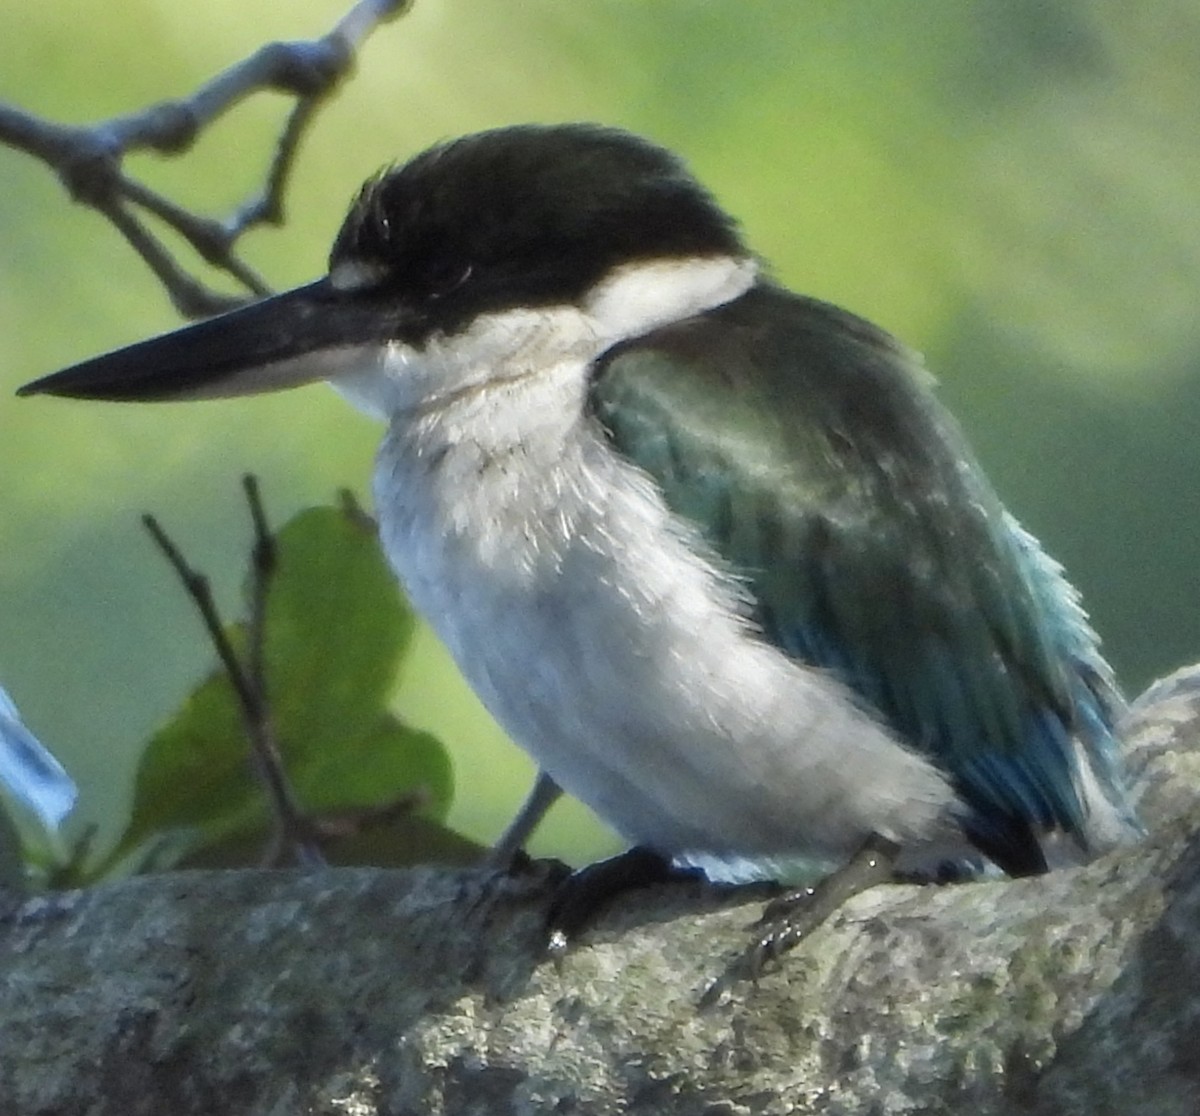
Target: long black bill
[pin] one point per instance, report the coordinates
(314, 332)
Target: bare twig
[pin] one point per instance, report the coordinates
(293, 833)
(263, 558)
(89, 159)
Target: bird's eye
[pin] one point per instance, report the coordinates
(442, 285)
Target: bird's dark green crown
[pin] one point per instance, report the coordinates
(526, 216)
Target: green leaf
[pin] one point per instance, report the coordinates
(337, 629)
(386, 760)
(195, 771)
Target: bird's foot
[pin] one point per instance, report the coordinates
(586, 890)
(789, 919)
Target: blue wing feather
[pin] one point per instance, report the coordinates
(810, 449)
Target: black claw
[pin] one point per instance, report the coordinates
(584, 892)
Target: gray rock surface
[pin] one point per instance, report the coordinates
(355, 992)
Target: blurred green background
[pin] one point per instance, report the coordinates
(1013, 188)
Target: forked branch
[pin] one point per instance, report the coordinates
(90, 159)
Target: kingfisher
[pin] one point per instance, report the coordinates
(710, 551)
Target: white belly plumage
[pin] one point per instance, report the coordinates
(587, 619)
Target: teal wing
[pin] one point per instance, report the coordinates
(809, 448)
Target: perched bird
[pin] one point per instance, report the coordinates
(710, 551)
